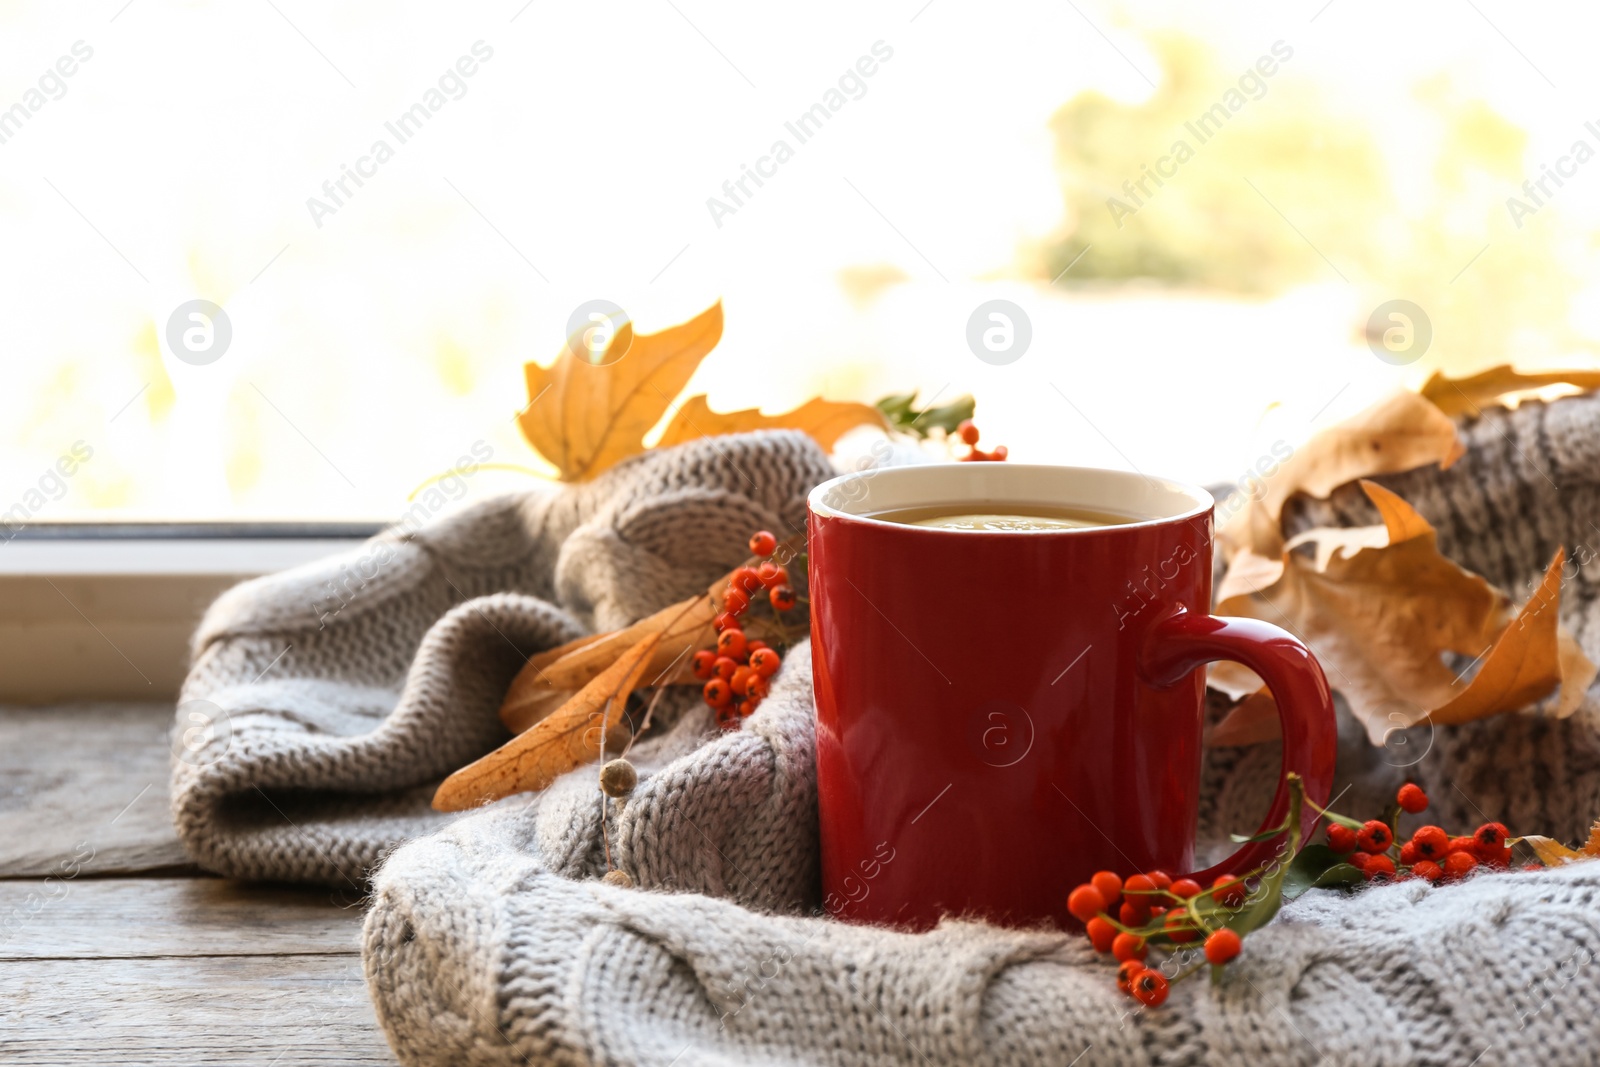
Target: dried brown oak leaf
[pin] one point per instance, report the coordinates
(1379, 606)
(1400, 433)
(1499, 385)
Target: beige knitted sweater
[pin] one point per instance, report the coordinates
(490, 940)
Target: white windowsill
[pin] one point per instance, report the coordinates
(110, 619)
(169, 557)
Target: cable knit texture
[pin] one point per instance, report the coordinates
(491, 940)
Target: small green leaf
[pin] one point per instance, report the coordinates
(1318, 867)
(897, 406)
(901, 412)
(1265, 835)
(1263, 902)
(947, 417)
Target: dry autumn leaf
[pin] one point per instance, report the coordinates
(1530, 658)
(549, 677)
(824, 420)
(598, 414)
(584, 416)
(1250, 722)
(1398, 434)
(523, 710)
(1497, 385)
(1553, 853)
(1526, 662)
(569, 737)
(1379, 614)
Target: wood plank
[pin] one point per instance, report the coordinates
(261, 1011)
(171, 917)
(85, 787)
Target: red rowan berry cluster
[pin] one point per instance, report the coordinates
(1430, 853)
(737, 672)
(1197, 925)
(968, 433)
(1154, 906)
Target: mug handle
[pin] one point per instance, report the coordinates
(1183, 641)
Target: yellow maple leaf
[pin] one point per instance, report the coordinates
(585, 416)
(824, 420)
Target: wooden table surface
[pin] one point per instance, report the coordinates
(115, 950)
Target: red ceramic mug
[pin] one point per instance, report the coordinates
(1000, 715)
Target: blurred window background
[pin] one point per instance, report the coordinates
(1199, 208)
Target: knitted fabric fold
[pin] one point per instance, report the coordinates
(491, 940)
(340, 693)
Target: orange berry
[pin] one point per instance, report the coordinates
(703, 663)
(1162, 879)
(967, 432)
(757, 687)
(1374, 836)
(772, 575)
(1379, 866)
(1341, 838)
(744, 578)
(1432, 843)
(1408, 854)
(1085, 902)
(731, 643)
(726, 621)
(783, 598)
(765, 662)
(724, 666)
(1110, 886)
(762, 543)
(1101, 933)
(1428, 869)
(1140, 887)
(1459, 864)
(1126, 946)
(1468, 845)
(1500, 858)
(1229, 891)
(1186, 888)
(1491, 838)
(1222, 946)
(1127, 971)
(737, 601)
(740, 682)
(1134, 912)
(717, 693)
(1150, 988)
(1411, 798)
(746, 707)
